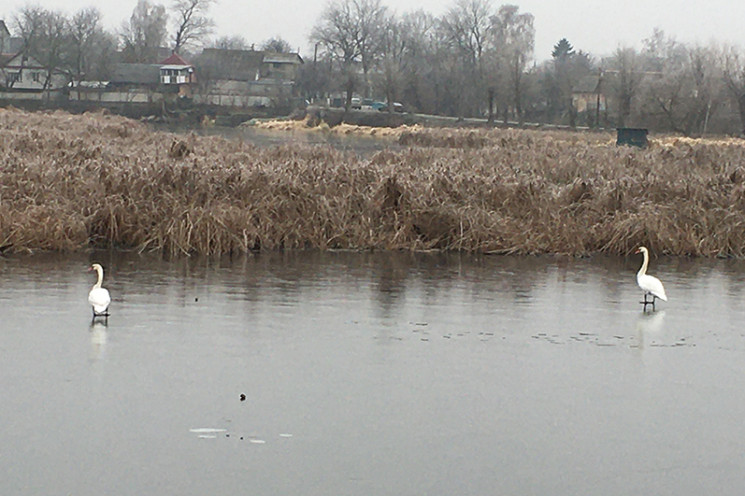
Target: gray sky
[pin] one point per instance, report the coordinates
(590, 25)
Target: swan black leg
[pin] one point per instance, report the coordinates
(647, 302)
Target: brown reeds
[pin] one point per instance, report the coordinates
(69, 182)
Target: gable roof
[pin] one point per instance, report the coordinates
(135, 74)
(175, 59)
(4, 29)
(19, 60)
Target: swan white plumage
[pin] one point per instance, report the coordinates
(649, 284)
(99, 297)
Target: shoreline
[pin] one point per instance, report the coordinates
(74, 182)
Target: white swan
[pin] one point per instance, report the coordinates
(99, 297)
(649, 284)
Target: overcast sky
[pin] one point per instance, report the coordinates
(594, 26)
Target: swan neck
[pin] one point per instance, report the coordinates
(643, 269)
(99, 270)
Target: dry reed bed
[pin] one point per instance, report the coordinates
(69, 182)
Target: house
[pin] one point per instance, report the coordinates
(176, 72)
(140, 83)
(247, 78)
(282, 66)
(587, 95)
(22, 76)
(20, 73)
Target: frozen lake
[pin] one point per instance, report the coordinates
(371, 374)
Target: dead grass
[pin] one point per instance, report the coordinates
(69, 182)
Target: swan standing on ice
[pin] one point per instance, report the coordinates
(649, 284)
(99, 297)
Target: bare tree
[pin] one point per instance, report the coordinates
(683, 85)
(144, 33)
(192, 25)
(229, 43)
(421, 67)
(372, 17)
(626, 65)
(90, 46)
(734, 79)
(515, 39)
(467, 28)
(336, 33)
(349, 32)
(276, 44)
(45, 37)
(394, 44)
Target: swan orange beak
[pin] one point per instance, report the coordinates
(637, 251)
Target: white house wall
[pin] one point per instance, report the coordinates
(116, 96)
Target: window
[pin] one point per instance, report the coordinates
(13, 77)
(36, 77)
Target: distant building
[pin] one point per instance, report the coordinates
(23, 74)
(177, 72)
(247, 78)
(587, 95)
(140, 83)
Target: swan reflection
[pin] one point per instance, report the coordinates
(98, 330)
(649, 325)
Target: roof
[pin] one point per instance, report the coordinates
(587, 84)
(282, 58)
(175, 59)
(176, 67)
(19, 60)
(240, 65)
(136, 74)
(4, 29)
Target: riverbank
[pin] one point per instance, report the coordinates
(70, 182)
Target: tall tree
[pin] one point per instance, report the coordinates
(626, 65)
(515, 41)
(45, 37)
(563, 50)
(90, 46)
(568, 67)
(421, 67)
(734, 78)
(144, 33)
(467, 28)
(393, 48)
(349, 32)
(192, 25)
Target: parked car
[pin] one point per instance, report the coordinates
(383, 107)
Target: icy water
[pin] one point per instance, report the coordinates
(371, 374)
